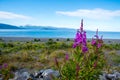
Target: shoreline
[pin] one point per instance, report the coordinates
(22, 39)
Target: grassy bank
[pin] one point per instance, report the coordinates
(33, 54)
(37, 54)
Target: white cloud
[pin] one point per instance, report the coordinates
(10, 15)
(92, 14)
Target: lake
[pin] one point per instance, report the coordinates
(37, 33)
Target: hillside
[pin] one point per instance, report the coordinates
(7, 26)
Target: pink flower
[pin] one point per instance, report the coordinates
(0, 66)
(5, 65)
(77, 38)
(97, 34)
(84, 38)
(74, 45)
(66, 56)
(97, 42)
(99, 45)
(95, 64)
(93, 42)
(80, 39)
(84, 49)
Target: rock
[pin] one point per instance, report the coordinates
(103, 77)
(39, 74)
(32, 76)
(21, 74)
(114, 76)
(117, 75)
(1, 78)
(47, 74)
(111, 77)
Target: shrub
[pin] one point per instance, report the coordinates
(83, 64)
(5, 71)
(68, 39)
(116, 59)
(57, 39)
(50, 40)
(37, 40)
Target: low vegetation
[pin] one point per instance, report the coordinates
(40, 55)
(78, 60)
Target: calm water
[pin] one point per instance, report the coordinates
(53, 33)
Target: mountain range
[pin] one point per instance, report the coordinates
(8, 26)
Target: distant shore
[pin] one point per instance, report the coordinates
(22, 39)
(7, 39)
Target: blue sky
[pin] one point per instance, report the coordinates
(101, 14)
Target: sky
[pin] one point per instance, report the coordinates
(103, 15)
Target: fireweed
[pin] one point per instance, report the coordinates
(5, 71)
(84, 63)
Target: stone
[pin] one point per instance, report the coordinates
(113, 76)
(1, 78)
(21, 74)
(49, 74)
(102, 77)
(117, 75)
(39, 74)
(46, 74)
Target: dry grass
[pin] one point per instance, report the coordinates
(39, 55)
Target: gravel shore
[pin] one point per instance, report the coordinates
(7, 39)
